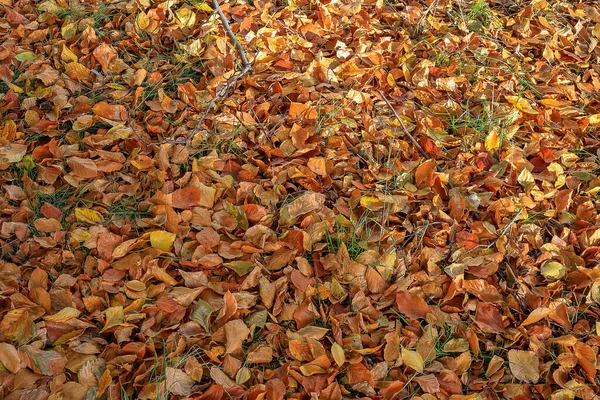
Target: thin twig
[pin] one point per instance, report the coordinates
(225, 89)
(410, 136)
(221, 93)
(502, 233)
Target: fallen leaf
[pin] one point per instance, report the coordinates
(412, 306)
(178, 382)
(162, 240)
(524, 365)
(413, 359)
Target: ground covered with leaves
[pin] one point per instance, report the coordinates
(298, 243)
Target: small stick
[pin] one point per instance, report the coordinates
(410, 136)
(246, 69)
(507, 227)
(502, 233)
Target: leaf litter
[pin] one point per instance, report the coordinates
(399, 201)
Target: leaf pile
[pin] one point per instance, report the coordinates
(299, 246)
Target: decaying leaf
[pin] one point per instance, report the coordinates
(524, 365)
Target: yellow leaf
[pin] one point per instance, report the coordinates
(522, 104)
(338, 354)
(80, 235)
(371, 203)
(68, 30)
(118, 132)
(553, 270)
(142, 21)
(563, 394)
(64, 315)
(594, 119)
(114, 316)
(162, 240)
(87, 215)
(186, 16)
(67, 55)
(526, 179)
(311, 369)
(337, 290)
(413, 359)
(492, 141)
(204, 7)
(14, 87)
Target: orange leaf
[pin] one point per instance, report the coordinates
(105, 54)
(424, 174)
(186, 198)
(300, 110)
(112, 112)
(412, 305)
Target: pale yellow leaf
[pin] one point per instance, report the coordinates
(526, 179)
(87, 215)
(492, 141)
(553, 270)
(524, 365)
(594, 119)
(338, 354)
(413, 359)
(178, 382)
(162, 240)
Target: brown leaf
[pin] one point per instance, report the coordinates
(489, 318)
(412, 305)
(428, 383)
(483, 290)
(236, 332)
(262, 355)
(112, 112)
(524, 365)
(186, 198)
(178, 382)
(105, 54)
(45, 362)
(9, 357)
